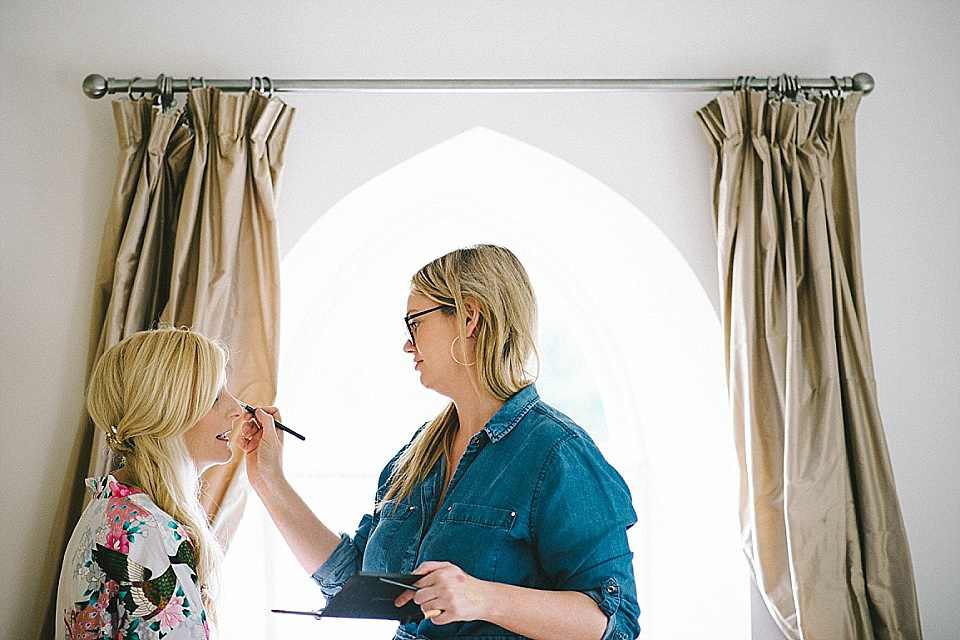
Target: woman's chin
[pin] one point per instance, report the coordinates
(223, 458)
(228, 453)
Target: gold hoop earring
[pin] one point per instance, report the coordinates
(452, 355)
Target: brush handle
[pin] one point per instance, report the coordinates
(276, 424)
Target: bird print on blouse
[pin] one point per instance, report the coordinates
(129, 572)
(146, 596)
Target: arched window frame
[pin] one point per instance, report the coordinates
(648, 343)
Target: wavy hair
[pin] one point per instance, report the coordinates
(145, 393)
(492, 279)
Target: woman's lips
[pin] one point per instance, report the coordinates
(225, 436)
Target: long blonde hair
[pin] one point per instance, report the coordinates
(492, 279)
(145, 393)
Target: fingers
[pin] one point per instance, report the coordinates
(447, 593)
(250, 437)
(423, 569)
(261, 421)
(267, 417)
(273, 412)
(260, 437)
(404, 598)
(430, 603)
(407, 596)
(429, 567)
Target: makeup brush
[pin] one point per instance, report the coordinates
(252, 410)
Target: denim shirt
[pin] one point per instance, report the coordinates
(532, 503)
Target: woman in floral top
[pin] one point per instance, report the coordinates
(142, 563)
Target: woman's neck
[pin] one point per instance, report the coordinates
(124, 476)
(474, 412)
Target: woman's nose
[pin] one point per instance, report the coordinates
(238, 408)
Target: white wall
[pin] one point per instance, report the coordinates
(58, 160)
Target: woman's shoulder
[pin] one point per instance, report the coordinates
(564, 444)
(539, 423)
(133, 522)
(575, 467)
(554, 426)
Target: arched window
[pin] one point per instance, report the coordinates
(630, 348)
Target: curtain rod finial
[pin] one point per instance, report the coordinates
(863, 82)
(95, 86)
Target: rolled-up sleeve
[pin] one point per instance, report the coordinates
(580, 514)
(345, 560)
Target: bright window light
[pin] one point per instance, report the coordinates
(630, 348)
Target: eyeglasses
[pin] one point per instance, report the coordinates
(412, 326)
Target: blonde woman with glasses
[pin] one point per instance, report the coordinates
(504, 506)
(142, 562)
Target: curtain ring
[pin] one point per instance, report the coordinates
(171, 94)
(165, 92)
(742, 83)
(203, 83)
(256, 84)
(130, 88)
(268, 82)
(158, 92)
(837, 86)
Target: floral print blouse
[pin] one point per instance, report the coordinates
(128, 572)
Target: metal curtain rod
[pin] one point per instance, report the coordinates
(96, 86)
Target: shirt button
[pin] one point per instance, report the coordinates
(513, 514)
(412, 508)
(449, 508)
(611, 589)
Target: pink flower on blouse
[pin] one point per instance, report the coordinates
(172, 614)
(117, 540)
(121, 510)
(122, 490)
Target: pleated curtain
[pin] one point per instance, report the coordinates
(821, 523)
(190, 240)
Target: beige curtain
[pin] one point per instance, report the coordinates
(821, 523)
(190, 240)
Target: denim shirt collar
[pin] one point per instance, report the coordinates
(504, 420)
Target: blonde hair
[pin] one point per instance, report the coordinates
(492, 279)
(146, 392)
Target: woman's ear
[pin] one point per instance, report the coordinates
(472, 311)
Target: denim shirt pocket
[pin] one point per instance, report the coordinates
(470, 536)
(393, 515)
